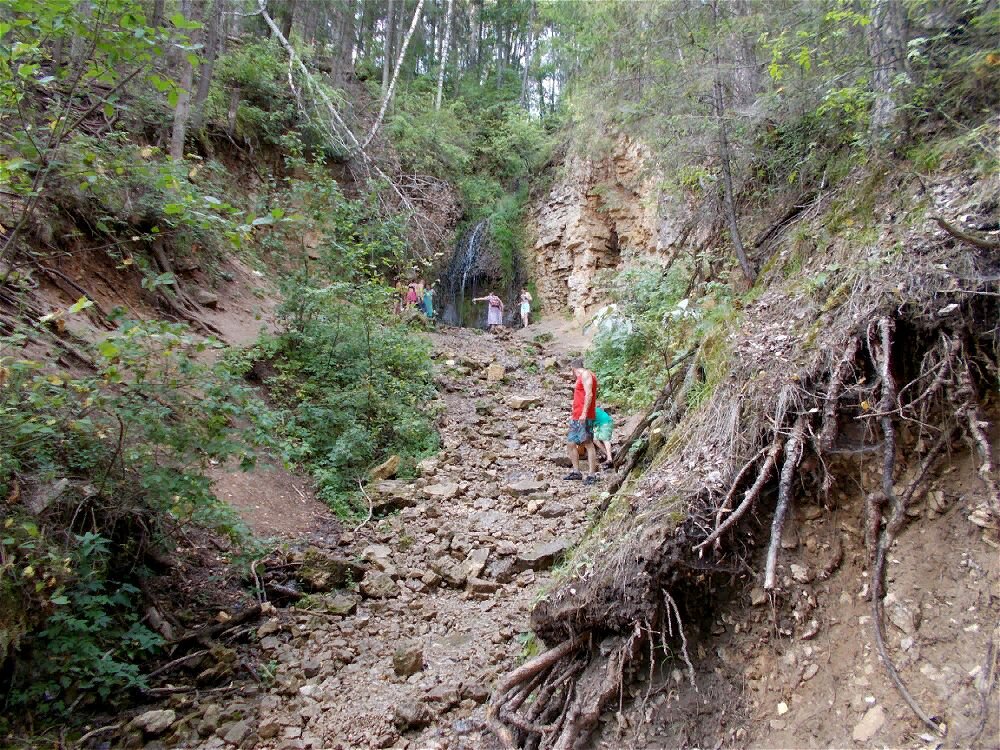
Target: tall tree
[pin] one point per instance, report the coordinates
(182, 111)
(887, 48)
(387, 41)
(395, 76)
(529, 52)
(215, 14)
(444, 56)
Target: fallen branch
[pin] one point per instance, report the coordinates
(176, 663)
(250, 613)
(980, 242)
(371, 507)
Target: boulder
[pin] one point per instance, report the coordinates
(475, 562)
(869, 725)
(553, 510)
(379, 585)
(526, 487)
(206, 298)
(450, 570)
(518, 403)
(154, 722)
(387, 469)
(392, 495)
(541, 556)
(380, 555)
(411, 714)
(340, 604)
(481, 587)
(408, 658)
(443, 491)
(236, 732)
(322, 572)
(495, 373)
(428, 467)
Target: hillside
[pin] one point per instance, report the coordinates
(253, 497)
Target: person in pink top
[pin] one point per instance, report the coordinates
(411, 295)
(581, 424)
(494, 315)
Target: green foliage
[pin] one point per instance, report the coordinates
(350, 382)
(351, 385)
(89, 644)
(650, 326)
(256, 75)
(124, 446)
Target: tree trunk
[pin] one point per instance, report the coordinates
(725, 157)
(395, 76)
(529, 49)
(886, 47)
(387, 48)
(183, 110)
(234, 108)
(287, 18)
(156, 19)
(215, 12)
(444, 57)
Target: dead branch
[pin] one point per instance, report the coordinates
(980, 242)
(176, 663)
(371, 507)
(724, 507)
(793, 454)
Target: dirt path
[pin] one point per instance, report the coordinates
(443, 609)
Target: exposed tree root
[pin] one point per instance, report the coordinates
(751, 494)
(977, 426)
(830, 429)
(793, 454)
(555, 701)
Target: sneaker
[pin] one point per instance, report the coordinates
(607, 465)
(574, 475)
(591, 479)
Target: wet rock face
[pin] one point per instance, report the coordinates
(601, 215)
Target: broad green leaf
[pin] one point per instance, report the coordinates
(108, 349)
(172, 209)
(81, 304)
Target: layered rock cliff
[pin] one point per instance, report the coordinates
(603, 213)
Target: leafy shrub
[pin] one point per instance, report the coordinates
(350, 386)
(650, 325)
(90, 466)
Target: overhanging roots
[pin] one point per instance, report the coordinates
(554, 701)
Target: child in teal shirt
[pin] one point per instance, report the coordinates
(602, 433)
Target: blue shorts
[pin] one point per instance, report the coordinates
(581, 431)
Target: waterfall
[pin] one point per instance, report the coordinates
(461, 268)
